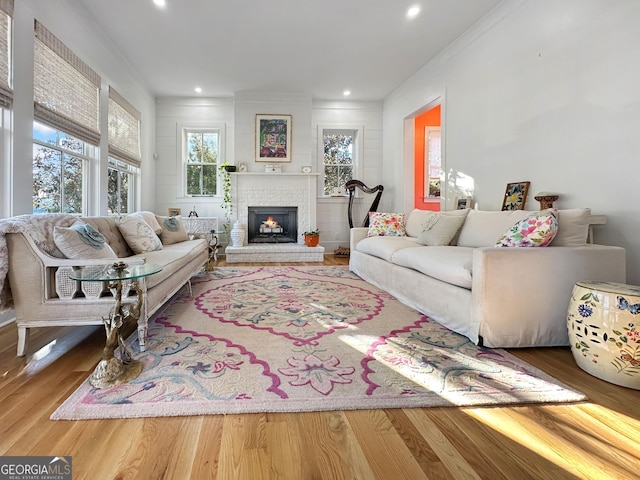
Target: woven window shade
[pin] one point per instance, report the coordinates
(124, 129)
(66, 91)
(6, 14)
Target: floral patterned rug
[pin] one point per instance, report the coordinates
(288, 339)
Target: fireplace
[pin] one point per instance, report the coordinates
(272, 225)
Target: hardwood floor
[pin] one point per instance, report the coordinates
(599, 439)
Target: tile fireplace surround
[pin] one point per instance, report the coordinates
(276, 190)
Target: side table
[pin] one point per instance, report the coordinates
(113, 370)
(603, 322)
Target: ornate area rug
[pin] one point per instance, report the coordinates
(288, 339)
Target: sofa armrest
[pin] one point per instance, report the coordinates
(355, 235)
(521, 295)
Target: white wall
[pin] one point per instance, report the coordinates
(332, 212)
(171, 114)
(543, 91)
(70, 22)
(238, 114)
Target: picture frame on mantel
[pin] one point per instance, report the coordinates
(273, 138)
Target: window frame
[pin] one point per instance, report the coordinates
(89, 157)
(356, 131)
(114, 163)
(200, 127)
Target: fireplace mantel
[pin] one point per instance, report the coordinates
(279, 174)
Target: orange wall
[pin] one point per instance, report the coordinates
(430, 118)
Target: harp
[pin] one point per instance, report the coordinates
(352, 186)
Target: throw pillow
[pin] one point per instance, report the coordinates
(537, 230)
(413, 222)
(439, 229)
(82, 241)
(573, 227)
(138, 234)
(386, 224)
(173, 230)
(150, 218)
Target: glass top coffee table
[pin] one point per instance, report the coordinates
(113, 370)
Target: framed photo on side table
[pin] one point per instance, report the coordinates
(273, 138)
(515, 196)
(174, 212)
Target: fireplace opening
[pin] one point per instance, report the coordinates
(273, 225)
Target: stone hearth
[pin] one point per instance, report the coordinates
(284, 252)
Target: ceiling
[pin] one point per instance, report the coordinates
(321, 47)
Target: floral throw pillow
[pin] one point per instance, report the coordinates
(386, 224)
(537, 230)
(138, 234)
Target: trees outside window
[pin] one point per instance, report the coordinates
(120, 187)
(59, 165)
(338, 160)
(202, 161)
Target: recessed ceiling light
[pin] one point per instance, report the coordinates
(198, 90)
(346, 93)
(413, 11)
(160, 3)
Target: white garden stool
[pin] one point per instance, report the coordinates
(604, 330)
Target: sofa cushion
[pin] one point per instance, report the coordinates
(386, 224)
(484, 228)
(537, 230)
(450, 264)
(573, 227)
(172, 258)
(416, 218)
(82, 241)
(440, 229)
(138, 234)
(172, 230)
(384, 247)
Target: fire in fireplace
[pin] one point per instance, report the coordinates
(273, 225)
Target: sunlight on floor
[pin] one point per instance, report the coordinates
(570, 448)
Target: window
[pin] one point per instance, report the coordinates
(124, 154)
(202, 158)
(120, 187)
(66, 94)
(433, 162)
(339, 159)
(59, 165)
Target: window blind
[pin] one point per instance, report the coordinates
(6, 90)
(124, 129)
(66, 91)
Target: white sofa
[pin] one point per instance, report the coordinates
(497, 297)
(44, 296)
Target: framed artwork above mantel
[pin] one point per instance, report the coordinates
(273, 138)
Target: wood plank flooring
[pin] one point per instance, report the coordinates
(598, 439)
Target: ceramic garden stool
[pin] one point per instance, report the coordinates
(604, 330)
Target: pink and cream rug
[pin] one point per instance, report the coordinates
(289, 339)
